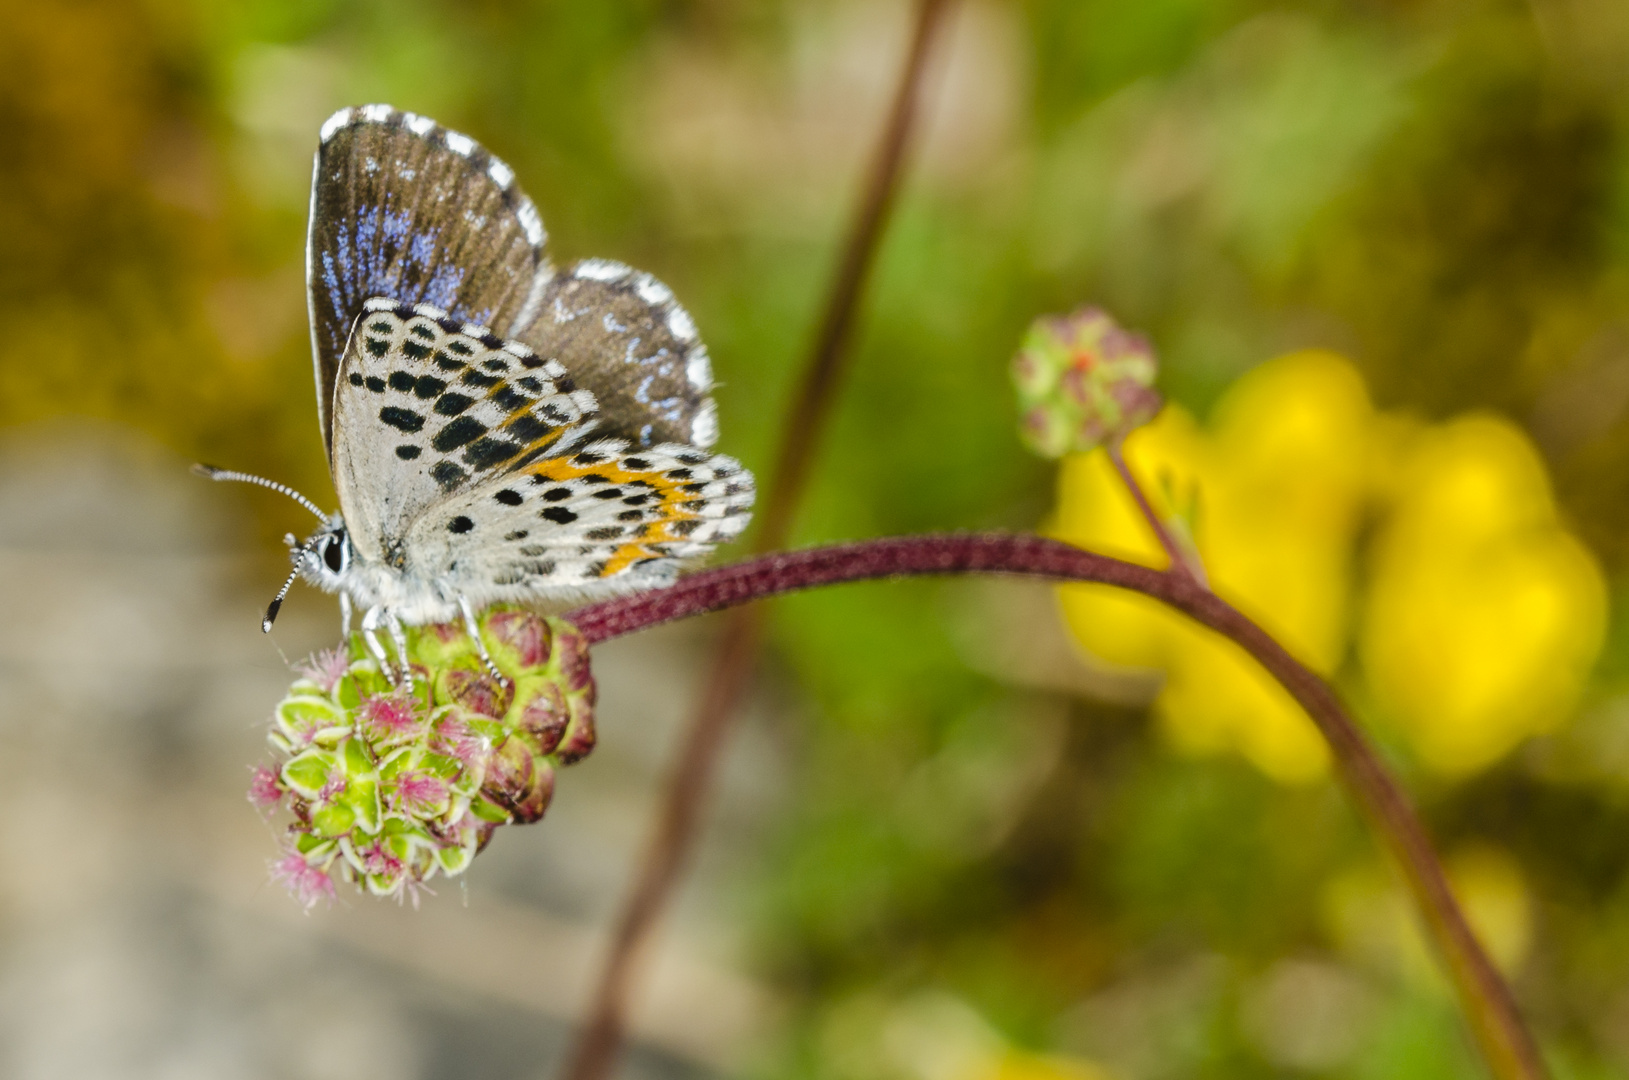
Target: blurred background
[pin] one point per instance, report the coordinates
(969, 830)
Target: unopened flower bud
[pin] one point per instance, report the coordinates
(1082, 381)
(389, 786)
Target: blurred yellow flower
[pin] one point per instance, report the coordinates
(1483, 615)
(1368, 915)
(1272, 497)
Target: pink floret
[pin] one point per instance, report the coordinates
(306, 883)
(389, 716)
(265, 791)
(335, 785)
(325, 668)
(379, 862)
(419, 792)
(454, 739)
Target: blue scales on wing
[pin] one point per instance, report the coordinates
(405, 209)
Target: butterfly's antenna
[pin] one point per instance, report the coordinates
(210, 472)
(277, 601)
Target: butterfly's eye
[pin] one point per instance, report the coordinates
(333, 553)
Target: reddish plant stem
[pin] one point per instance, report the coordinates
(1182, 560)
(685, 795)
(1489, 1006)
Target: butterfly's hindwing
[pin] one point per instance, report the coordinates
(426, 405)
(601, 518)
(622, 333)
(405, 209)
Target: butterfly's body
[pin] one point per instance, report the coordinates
(496, 430)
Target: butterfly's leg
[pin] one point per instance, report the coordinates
(344, 615)
(398, 637)
(370, 637)
(473, 628)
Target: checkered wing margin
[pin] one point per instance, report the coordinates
(466, 460)
(405, 209)
(621, 333)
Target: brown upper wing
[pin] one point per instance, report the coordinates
(402, 208)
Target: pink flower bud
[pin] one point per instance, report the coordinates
(1082, 381)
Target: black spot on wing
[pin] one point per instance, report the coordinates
(460, 524)
(448, 475)
(405, 419)
(508, 497)
(376, 384)
(401, 380)
(510, 400)
(453, 403)
(428, 386)
(487, 452)
(559, 515)
(527, 428)
(407, 451)
(356, 380)
(462, 430)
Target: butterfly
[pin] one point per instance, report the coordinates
(498, 430)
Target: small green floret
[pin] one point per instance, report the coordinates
(1082, 381)
(389, 786)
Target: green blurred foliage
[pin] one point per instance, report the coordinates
(1436, 188)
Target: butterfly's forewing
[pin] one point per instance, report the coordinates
(426, 406)
(405, 209)
(621, 333)
(597, 520)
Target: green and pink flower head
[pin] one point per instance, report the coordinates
(1082, 381)
(389, 787)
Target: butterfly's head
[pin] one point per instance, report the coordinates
(321, 558)
(324, 556)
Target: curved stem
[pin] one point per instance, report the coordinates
(1181, 559)
(1489, 1006)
